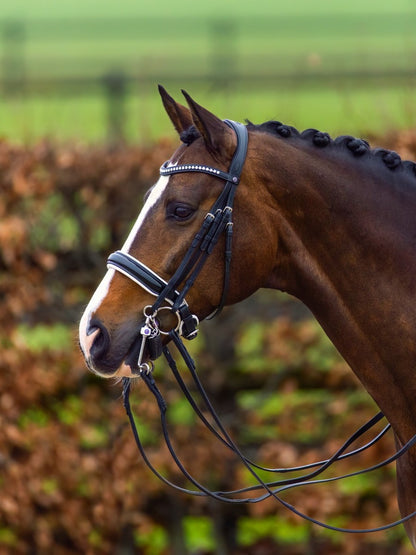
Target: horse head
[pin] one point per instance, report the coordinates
(329, 221)
(171, 220)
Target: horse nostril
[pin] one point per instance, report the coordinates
(99, 340)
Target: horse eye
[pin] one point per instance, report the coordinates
(179, 211)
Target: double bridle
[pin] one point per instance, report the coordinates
(169, 297)
(216, 222)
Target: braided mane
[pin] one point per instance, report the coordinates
(357, 147)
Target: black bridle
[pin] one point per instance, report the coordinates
(217, 222)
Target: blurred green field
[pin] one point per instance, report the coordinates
(343, 67)
(360, 112)
(35, 9)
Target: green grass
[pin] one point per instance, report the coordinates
(35, 9)
(280, 43)
(349, 111)
(183, 44)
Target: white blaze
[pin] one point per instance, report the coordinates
(155, 194)
(102, 290)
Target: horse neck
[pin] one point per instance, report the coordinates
(346, 250)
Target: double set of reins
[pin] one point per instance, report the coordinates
(216, 223)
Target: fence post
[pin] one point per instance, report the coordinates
(224, 55)
(115, 88)
(13, 58)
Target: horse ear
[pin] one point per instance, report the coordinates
(179, 115)
(217, 135)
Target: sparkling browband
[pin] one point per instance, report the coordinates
(185, 168)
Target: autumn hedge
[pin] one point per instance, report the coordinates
(71, 478)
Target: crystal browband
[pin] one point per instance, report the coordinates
(185, 168)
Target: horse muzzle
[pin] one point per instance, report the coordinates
(124, 354)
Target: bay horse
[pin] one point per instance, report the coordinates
(330, 221)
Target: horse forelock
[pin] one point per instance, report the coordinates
(190, 135)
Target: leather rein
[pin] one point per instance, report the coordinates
(217, 222)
